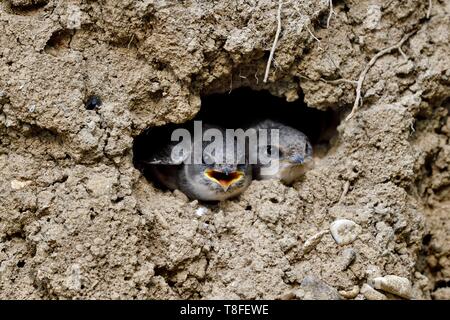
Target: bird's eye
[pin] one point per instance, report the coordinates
(272, 150)
(308, 149)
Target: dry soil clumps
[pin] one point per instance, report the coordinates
(77, 220)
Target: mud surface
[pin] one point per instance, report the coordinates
(77, 220)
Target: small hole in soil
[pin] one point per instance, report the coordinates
(442, 284)
(93, 102)
(237, 110)
(58, 41)
(21, 264)
(248, 208)
(426, 240)
(27, 9)
(18, 234)
(118, 199)
(92, 215)
(273, 200)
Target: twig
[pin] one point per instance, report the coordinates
(344, 191)
(430, 5)
(275, 41)
(330, 14)
(403, 54)
(312, 35)
(305, 77)
(372, 61)
(338, 81)
(131, 40)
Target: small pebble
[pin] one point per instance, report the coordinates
(193, 204)
(347, 258)
(372, 294)
(287, 296)
(405, 68)
(344, 231)
(17, 185)
(3, 97)
(115, 296)
(350, 294)
(180, 195)
(313, 241)
(441, 294)
(315, 289)
(287, 242)
(372, 272)
(394, 284)
(201, 211)
(73, 281)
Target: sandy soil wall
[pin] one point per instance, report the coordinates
(77, 220)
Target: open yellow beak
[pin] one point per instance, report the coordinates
(225, 180)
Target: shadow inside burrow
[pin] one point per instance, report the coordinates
(236, 110)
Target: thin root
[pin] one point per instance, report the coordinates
(372, 61)
(344, 191)
(275, 41)
(131, 40)
(330, 14)
(312, 35)
(338, 81)
(403, 54)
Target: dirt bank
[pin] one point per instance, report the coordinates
(77, 220)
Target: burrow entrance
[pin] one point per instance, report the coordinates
(239, 108)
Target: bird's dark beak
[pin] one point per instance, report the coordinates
(224, 179)
(297, 159)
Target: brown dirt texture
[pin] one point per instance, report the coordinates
(79, 221)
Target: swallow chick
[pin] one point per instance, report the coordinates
(211, 180)
(293, 149)
(214, 182)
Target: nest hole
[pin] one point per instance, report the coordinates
(59, 42)
(26, 8)
(239, 108)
